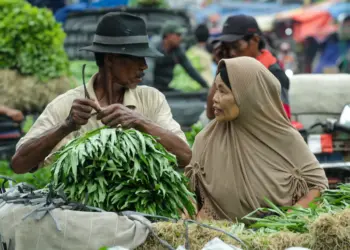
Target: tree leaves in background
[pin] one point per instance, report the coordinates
(31, 41)
(120, 170)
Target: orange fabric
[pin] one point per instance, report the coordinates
(266, 58)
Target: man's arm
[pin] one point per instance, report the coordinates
(169, 140)
(192, 72)
(284, 81)
(34, 151)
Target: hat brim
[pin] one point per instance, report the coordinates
(139, 52)
(227, 38)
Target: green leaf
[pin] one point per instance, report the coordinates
(142, 141)
(137, 167)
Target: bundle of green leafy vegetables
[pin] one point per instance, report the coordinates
(119, 170)
(298, 219)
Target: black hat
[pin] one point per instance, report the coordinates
(237, 27)
(202, 33)
(121, 33)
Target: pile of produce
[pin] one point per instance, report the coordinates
(148, 3)
(322, 227)
(191, 135)
(118, 170)
(181, 80)
(33, 64)
(27, 93)
(31, 41)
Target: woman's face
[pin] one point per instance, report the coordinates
(225, 107)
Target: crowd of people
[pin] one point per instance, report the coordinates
(248, 152)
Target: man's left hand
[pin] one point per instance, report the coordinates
(116, 114)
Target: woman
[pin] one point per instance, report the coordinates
(251, 150)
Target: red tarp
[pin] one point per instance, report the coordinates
(318, 24)
(314, 21)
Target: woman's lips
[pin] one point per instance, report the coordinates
(217, 111)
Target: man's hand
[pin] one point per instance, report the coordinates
(80, 113)
(116, 114)
(15, 115)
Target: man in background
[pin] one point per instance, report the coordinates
(173, 54)
(241, 36)
(200, 59)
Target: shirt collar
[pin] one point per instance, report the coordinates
(129, 96)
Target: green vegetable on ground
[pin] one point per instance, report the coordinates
(298, 219)
(119, 170)
(39, 179)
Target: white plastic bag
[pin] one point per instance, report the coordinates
(217, 244)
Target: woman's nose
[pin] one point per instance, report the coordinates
(215, 97)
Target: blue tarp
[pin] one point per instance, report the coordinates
(337, 9)
(332, 51)
(62, 13)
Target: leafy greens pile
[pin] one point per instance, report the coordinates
(191, 135)
(31, 41)
(298, 219)
(119, 170)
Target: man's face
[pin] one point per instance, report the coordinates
(174, 39)
(242, 47)
(127, 70)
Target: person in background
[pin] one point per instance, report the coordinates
(201, 60)
(15, 114)
(173, 54)
(287, 57)
(241, 36)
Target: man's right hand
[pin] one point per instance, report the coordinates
(80, 113)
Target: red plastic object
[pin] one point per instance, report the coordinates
(297, 125)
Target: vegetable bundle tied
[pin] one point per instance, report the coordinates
(118, 170)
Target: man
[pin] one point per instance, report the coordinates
(120, 45)
(201, 60)
(170, 47)
(287, 57)
(241, 36)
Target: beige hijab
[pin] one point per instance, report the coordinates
(236, 164)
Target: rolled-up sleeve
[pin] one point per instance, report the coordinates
(315, 177)
(164, 118)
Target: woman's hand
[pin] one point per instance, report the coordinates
(308, 198)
